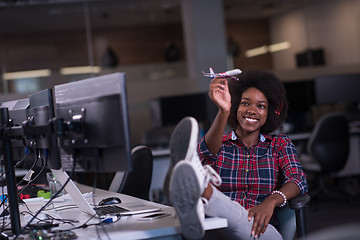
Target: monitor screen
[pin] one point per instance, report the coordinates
(168, 111)
(97, 127)
(337, 89)
(301, 98)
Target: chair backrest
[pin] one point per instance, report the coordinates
(329, 142)
(137, 182)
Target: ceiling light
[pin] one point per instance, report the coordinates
(80, 70)
(279, 46)
(27, 74)
(256, 51)
(265, 49)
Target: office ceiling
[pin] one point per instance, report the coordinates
(32, 16)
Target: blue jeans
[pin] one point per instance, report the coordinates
(239, 227)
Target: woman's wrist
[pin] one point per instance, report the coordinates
(224, 112)
(277, 192)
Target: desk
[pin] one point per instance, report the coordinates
(299, 136)
(127, 227)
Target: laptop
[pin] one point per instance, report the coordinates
(122, 209)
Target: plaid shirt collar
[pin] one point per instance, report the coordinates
(231, 136)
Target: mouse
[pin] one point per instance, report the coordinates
(110, 200)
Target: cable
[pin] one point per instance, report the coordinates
(33, 165)
(2, 129)
(5, 198)
(54, 196)
(65, 221)
(32, 180)
(42, 169)
(65, 207)
(34, 216)
(16, 165)
(84, 225)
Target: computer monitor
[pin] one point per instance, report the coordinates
(17, 114)
(337, 89)
(169, 110)
(97, 132)
(301, 97)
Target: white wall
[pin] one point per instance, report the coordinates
(329, 24)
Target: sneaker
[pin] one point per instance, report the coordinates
(183, 144)
(187, 184)
(185, 195)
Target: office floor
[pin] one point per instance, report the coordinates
(334, 210)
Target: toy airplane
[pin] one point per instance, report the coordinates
(227, 74)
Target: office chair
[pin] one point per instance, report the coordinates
(327, 149)
(137, 182)
(292, 218)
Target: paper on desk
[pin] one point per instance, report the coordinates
(66, 197)
(61, 199)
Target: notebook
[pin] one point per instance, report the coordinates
(123, 208)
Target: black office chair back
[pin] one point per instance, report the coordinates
(137, 182)
(329, 143)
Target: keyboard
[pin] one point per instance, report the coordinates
(109, 210)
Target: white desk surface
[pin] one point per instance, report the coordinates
(130, 227)
(299, 136)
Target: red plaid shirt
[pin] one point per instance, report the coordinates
(249, 175)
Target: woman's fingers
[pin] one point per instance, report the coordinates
(259, 226)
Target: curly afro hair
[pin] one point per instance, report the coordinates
(271, 87)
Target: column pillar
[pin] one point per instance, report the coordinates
(205, 39)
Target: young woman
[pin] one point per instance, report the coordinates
(259, 170)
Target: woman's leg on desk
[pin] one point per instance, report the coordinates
(239, 227)
(192, 200)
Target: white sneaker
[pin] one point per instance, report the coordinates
(183, 144)
(187, 184)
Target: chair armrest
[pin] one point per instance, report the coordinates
(299, 201)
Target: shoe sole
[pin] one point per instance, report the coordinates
(185, 194)
(183, 141)
(183, 144)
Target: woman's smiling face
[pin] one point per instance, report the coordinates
(252, 111)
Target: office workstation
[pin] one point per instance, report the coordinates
(140, 38)
(69, 221)
(95, 143)
(91, 126)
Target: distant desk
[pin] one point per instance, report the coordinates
(352, 166)
(299, 136)
(130, 227)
